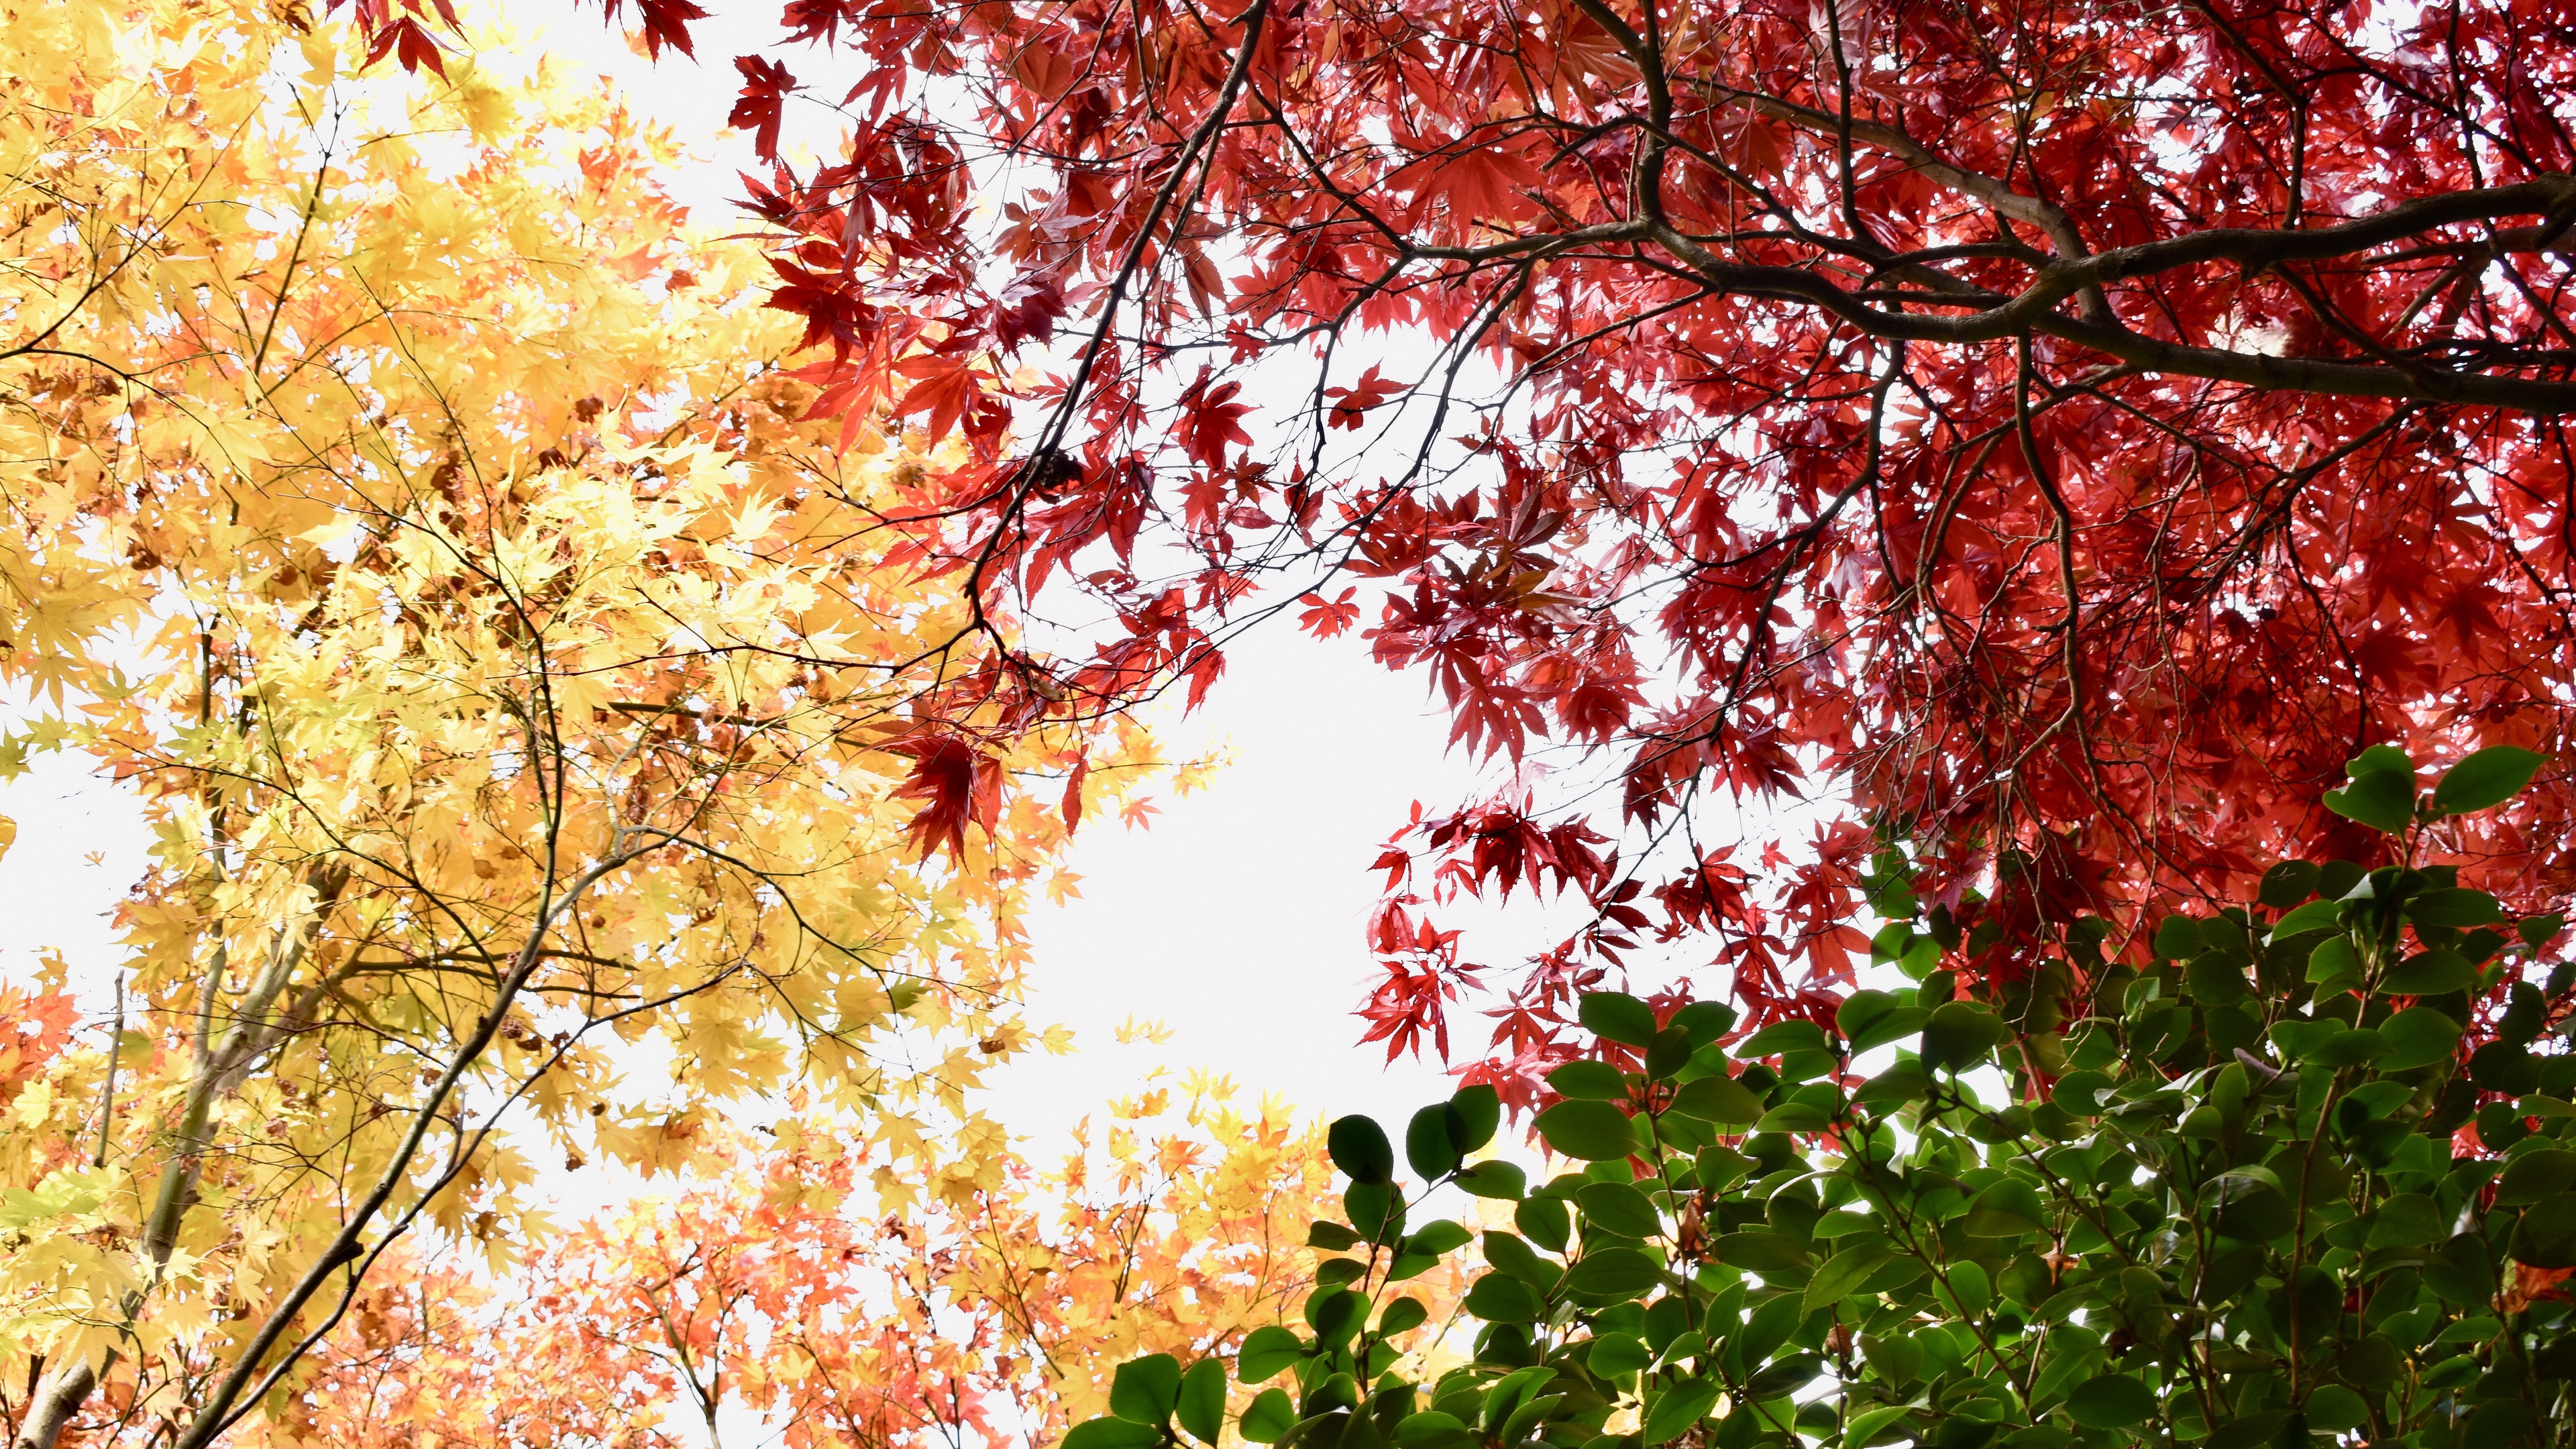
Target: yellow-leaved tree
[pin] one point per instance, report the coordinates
(540, 749)
(758, 1296)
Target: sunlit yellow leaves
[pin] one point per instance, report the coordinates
(411, 509)
(1000, 1310)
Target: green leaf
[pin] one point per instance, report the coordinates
(1619, 1208)
(1430, 1427)
(1545, 1221)
(2007, 1209)
(1760, 1252)
(1589, 1081)
(1722, 1100)
(2110, 1401)
(1511, 1393)
(1336, 1315)
(2418, 1037)
(2334, 960)
(2080, 1092)
(1592, 1131)
(1617, 1355)
(1495, 1179)
(2216, 981)
(2531, 1176)
(1871, 1424)
(1795, 1117)
(1672, 1413)
(1401, 1316)
(2246, 1431)
(1431, 1141)
(1960, 1035)
(2349, 1047)
(1480, 1111)
(2457, 906)
(1511, 1254)
(1874, 1018)
(2246, 1207)
(2296, 1037)
(1785, 1375)
(1266, 1351)
(2314, 916)
(1616, 1017)
(1706, 1021)
(1902, 1082)
(1607, 1275)
(1144, 1389)
(2380, 757)
(1499, 1298)
(1265, 1420)
(1360, 1149)
(1201, 1410)
(1846, 1271)
(2496, 1423)
(1867, 1424)
(1331, 1237)
(1113, 1433)
(1781, 1038)
(1668, 1053)
(1971, 1285)
(2484, 779)
(2287, 884)
(2178, 938)
(2407, 1220)
(2437, 972)
(2381, 799)
(1374, 1208)
(1439, 1238)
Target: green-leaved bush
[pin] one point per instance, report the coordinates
(2224, 1207)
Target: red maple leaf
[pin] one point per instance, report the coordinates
(944, 386)
(1325, 619)
(957, 784)
(766, 84)
(1351, 409)
(1211, 419)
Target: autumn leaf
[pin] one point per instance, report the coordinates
(944, 386)
(956, 785)
(766, 84)
(1210, 420)
(1351, 405)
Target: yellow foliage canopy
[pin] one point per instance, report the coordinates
(540, 749)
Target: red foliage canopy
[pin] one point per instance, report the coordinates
(2050, 436)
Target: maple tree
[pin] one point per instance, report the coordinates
(992, 1312)
(542, 741)
(2048, 438)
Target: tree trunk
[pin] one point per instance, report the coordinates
(64, 1391)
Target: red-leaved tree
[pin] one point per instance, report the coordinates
(2051, 434)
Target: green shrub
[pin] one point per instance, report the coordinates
(2224, 1210)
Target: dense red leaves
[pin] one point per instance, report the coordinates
(2052, 437)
